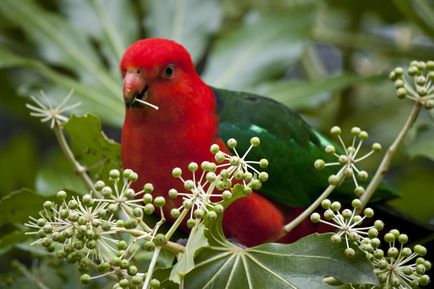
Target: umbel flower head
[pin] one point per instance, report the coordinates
(417, 85)
(47, 112)
(210, 186)
(347, 157)
(349, 225)
(395, 267)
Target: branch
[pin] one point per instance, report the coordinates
(79, 169)
(385, 163)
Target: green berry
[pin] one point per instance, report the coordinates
(61, 195)
(148, 188)
(315, 218)
(214, 149)
(149, 209)
(159, 201)
(347, 213)
(372, 233)
(85, 278)
(356, 130)
(187, 204)
(114, 174)
(319, 164)
(176, 172)
(219, 208)
(356, 203)
(48, 205)
(99, 185)
(389, 237)
(147, 198)
(226, 195)
(232, 143)
(349, 252)
(255, 142)
(137, 212)
(335, 238)
(173, 193)
(363, 135)
(392, 252)
(330, 149)
(189, 185)
(132, 270)
(191, 223)
(335, 206)
(376, 147)
(401, 92)
(219, 157)
(325, 204)
(403, 238)
(335, 131)
(368, 212)
(263, 163)
(107, 191)
(149, 246)
(263, 177)
(424, 280)
(211, 215)
(175, 213)
(133, 177)
(155, 284)
(192, 167)
(124, 283)
(379, 225)
(420, 250)
(334, 180)
(329, 214)
(160, 240)
(198, 213)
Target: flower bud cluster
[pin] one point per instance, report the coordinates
(400, 266)
(347, 158)
(90, 231)
(211, 183)
(348, 225)
(417, 85)
(393, 267)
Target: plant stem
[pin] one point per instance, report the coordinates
(29, 276)
(385, 163)
(151, 267)
(176, 224)
(79, 169)
(306, 213)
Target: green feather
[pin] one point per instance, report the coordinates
(289, 144)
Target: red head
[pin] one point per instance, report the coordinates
(158, 71)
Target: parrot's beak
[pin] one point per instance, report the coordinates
(135, 89)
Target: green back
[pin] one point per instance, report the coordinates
(287, 141)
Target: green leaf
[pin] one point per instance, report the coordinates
(304, 94)
(423, 144)
(91, 146)
(302, 264)
(185, 264)
(261, 49)
(17, 206)
(189, 22)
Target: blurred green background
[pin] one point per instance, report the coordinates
(328, 60)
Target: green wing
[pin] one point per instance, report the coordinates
(287, 141)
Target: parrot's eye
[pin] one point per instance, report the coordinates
(168, 72)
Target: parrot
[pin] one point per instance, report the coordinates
(192, 116)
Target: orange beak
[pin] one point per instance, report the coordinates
(134, 88)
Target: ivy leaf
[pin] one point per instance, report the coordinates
(185, 264)
(91, 146)
(303, 264)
